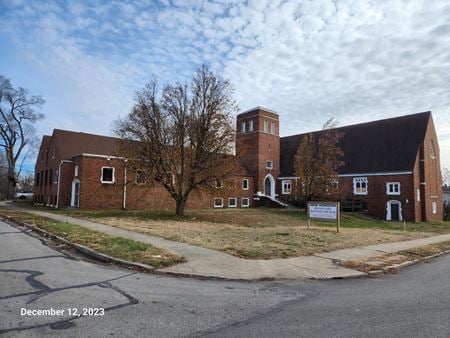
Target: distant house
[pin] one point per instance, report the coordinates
(391, 169)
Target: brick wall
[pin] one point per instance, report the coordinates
(47, 166)
(97, 195)
(428, 172)
(254, 148)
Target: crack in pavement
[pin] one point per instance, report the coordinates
(45, 290)
(30, 279)
(308, 293)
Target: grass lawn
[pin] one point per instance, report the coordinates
(262, 233)
(118, 247)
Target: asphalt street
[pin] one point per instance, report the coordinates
(120, 302)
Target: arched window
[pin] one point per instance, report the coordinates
(360, 185)
(432, 151)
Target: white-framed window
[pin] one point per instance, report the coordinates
(245, 184)
(107, 175)
(434, 207)
(218, 184)
(250, 125)
(360, 186)
(75, 194)
(243, 127)
(76, 171)
(393, 188)
(418, 195)
(218, 203)
(245, 202)
(286, 187)
(266, 126)
(269, 164)
(232, 202)
(272, 128)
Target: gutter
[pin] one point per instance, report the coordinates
(59, 180)
(124, 202)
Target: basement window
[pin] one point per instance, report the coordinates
(107, 175)
(232, 202)
(218, 203)
(393, 188)
(360, 185)
(245, 202)
(245, 184)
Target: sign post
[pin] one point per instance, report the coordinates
(324, 211)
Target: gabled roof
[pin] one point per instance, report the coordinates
(388, 145)
(72, 143)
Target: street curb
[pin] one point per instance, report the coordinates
(78, 247)
(394, 267)
(147, 268)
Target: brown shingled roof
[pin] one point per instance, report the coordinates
(379, 146)
(72, 143)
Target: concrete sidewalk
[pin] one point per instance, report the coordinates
(211, 263)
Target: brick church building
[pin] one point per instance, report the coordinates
(391, 169)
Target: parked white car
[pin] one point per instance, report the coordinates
(24, 196)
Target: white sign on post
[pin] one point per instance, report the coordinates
(324, 211)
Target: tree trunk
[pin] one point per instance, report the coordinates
(180, 205)
(11, 192)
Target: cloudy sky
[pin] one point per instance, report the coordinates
(308, 60)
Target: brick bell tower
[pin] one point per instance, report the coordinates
(258, 147)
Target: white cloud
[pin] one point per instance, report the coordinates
(355, 60)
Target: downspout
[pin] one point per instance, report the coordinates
(59, 180)
(124, 204)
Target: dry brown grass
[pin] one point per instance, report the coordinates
(261, 240)
(384, 261)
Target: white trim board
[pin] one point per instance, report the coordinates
(101, 156)
(388, 173)
(258, 108)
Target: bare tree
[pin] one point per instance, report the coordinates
(17, 116)
(317, 162)
(26, 183)
(185, 134)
